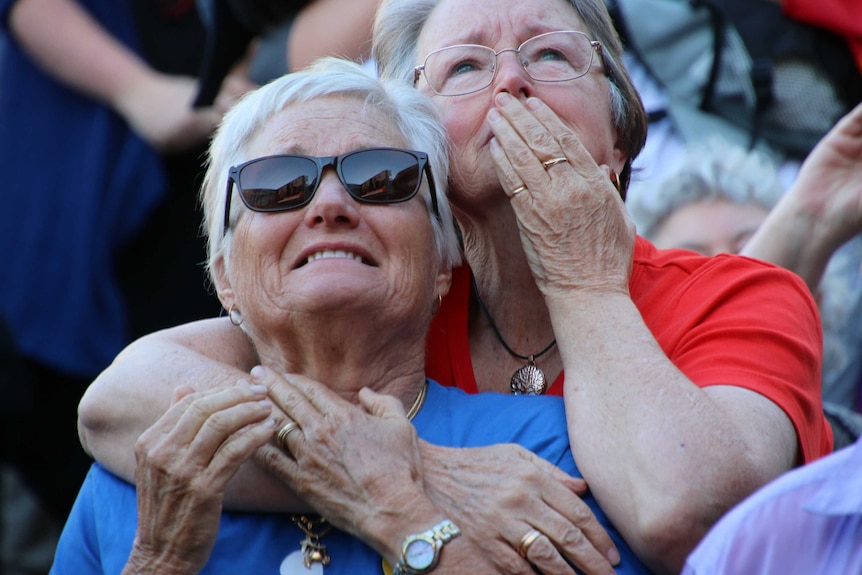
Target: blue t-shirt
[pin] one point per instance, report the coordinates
(101, 528)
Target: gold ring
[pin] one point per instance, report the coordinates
(281, 436)
(553, 162)
(528, 540)
(517, 191)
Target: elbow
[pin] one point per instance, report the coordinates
(674, 527)
(665, 540)
(93, 420)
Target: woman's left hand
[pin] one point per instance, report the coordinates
(357, 466)
(185, 461)
(574, 226)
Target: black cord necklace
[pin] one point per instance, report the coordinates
(528, 379)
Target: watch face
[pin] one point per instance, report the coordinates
(420, 554)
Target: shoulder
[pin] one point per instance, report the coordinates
(685, 271)
(686, 289)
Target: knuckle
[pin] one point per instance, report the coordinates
(572, 537)
(545, 141)
(542, 551)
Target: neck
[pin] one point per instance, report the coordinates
(505, 281)
(345, 358)
(506, 285)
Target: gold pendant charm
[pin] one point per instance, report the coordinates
(529, 380)
(294, 564)
(313, 552)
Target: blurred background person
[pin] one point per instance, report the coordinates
(713, 201)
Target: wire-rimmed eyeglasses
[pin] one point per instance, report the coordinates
(549, 57)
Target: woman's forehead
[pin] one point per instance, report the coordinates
(486, 22)
(325, 126)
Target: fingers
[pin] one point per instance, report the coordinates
(207, 428)
(299, 397)
(534, 143)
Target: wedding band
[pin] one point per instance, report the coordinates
(517, 191)
(553, 162)
(281, 436)
(528, 540)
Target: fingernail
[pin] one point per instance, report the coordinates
(533, 103)
(504, 98)
(494, 115)
(257, 372)
(614, 556)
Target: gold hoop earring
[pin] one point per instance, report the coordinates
(235, 316)
(615, 180)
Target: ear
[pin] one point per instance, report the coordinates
(224, 289)
(618, 159)
(444, 281)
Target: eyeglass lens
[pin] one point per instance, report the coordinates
(549, 57)
(379, 176)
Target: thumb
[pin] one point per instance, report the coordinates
(180, 392)
(380, 405)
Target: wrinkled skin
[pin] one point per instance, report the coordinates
(185, 461)
(364, 470)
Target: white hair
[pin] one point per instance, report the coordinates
(707, 171)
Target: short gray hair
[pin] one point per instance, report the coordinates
(712, 170)
(411, 113)
(395, 50)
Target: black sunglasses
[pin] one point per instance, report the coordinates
(371, 176)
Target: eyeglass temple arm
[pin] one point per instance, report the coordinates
(433, 189)
(228, 195)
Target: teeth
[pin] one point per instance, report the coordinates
(329, 254)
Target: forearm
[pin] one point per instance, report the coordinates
(348, 31)
(796, 237)
(74, 48)
(137, 388)
(660, 455)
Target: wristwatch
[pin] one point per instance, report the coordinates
(420, 553)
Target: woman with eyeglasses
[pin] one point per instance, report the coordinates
(331, 247)
(690, 381)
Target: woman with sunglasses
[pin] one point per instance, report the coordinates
(690, 381)
(332, 265)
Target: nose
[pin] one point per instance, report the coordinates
(511, 75)
(331, 204)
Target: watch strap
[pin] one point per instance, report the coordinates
(438, 535)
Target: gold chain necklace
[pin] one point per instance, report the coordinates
(316, 527)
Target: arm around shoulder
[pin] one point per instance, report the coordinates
(136, 389)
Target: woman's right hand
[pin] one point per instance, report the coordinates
(185, 461)
(500, 493)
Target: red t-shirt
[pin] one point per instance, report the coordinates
(725, 320)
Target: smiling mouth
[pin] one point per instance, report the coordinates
(334, 254)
